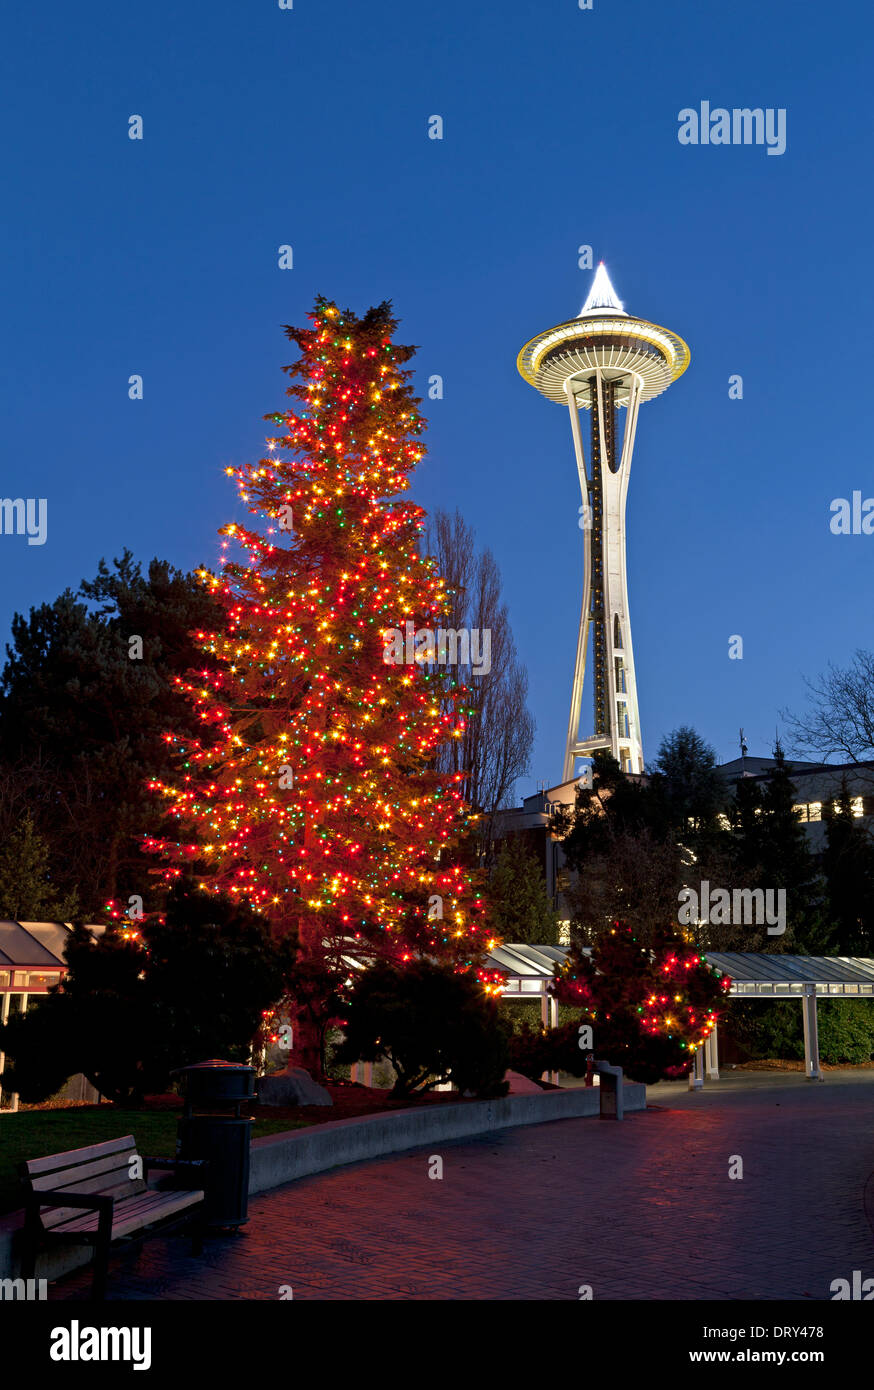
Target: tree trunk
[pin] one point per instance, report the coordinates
(307, 1049)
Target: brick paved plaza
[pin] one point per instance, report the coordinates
(639, 1210)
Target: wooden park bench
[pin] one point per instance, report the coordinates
(88, 1197)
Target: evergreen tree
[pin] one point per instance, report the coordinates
(319, 801)
(87, 698)
(618, 846)
(432, 1023)
(613, 805)
(27, 891)
(744, 813)
(687, 788)
(519, 909)
(848, 865)
(772, 852)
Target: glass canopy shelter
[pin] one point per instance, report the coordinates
(529, 970)
(806, 978)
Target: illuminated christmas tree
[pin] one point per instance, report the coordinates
(312, 793)
(650, 1007)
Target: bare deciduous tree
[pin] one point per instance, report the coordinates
(839, 721)
(496, 746)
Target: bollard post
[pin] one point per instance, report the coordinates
(612, 1091)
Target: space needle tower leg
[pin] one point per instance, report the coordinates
(616, 708)
(573, 732)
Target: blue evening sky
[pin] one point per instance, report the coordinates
(264, 126)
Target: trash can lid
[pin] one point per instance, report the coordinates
(214, 1064)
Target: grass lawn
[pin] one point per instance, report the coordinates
(33, 1133)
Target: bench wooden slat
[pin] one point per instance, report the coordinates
(112, 1183)
(125, 1205)
(167, 1204)
(35, 1166)
(68, 1177)
(56, 1216)
(134, 1216)
(76, 1218)
(124, 1192)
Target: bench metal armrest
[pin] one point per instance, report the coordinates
(174, 1163)
(158, 1162)
(178, 1166)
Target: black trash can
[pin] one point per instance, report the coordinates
(212, 1088)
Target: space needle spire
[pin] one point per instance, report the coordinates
(600, 361)
(602, 294)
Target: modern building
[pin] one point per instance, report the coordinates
(600, 361)
(818, 788)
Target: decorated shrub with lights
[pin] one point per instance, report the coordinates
(650, 1007)
(312, 793)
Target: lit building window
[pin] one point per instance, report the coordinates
(43, 979)
(858, 807)
(814, 810)
(800, 812)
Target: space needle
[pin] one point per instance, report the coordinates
(599, 361)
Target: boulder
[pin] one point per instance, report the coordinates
(291, 1086)
(521, 1085)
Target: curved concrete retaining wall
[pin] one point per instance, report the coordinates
(280, 1158)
